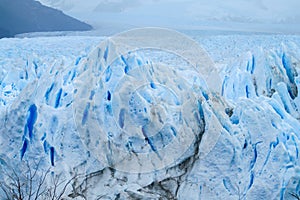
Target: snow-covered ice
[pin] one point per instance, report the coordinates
(256, 155)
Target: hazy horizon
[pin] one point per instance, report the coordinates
(242, 15)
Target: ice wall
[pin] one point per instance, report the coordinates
(255, 157)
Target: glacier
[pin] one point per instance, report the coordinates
(254, 156)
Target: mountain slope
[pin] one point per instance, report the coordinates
(21, 16)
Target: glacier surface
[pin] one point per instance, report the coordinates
(256, 153)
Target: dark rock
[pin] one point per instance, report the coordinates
(23, 16)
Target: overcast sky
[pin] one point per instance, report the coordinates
(270, 15)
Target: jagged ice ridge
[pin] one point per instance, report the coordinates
(255, 157)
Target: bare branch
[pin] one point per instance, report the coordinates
(28, 181)
(295, 195)
(41, 183)
(65, 187)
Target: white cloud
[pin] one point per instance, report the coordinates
(176, 13)
(116, 6)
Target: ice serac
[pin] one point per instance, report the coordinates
(256, 156)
